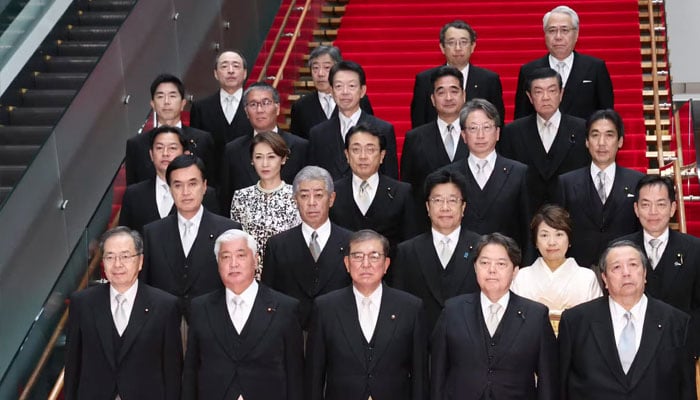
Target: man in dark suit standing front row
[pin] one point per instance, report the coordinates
(625, 345)
(123, 338)
(244, 340)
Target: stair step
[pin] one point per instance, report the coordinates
(666, 154)
(102, 18)
(91, 33)
(664, 138)
(32, 116)
(650, 107)
(335, 10)
(47, 97)
(329, 21)
(314, 44)
(11, 174)
(326, 33)
(18, 154)
(59, 80)
(70, 64)
(110, 5)
(659, 65)
(652, 122)
(659, 51)
(648, 78)
(74, 48)
(657, 37)
(650, 93)
(24, 135)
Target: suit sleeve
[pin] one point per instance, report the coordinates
(74, 351)
(172, 352)
(396, 276)
(565, 354)
(315, 370)
(205, 151)
(126, 216)
(525, 217)
(390, 166)
(407, 160)
(523, 107)
(196, 116)
(419, 377)
(604, 88)
(144, 275)
(439, 359)
(548, 362)
(225, 188)
(418, 103)
(270, 264)
(409, 226)
(294, 356)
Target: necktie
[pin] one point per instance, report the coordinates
(481, 176)
(327, 109)
(561, 69)
(363, 197)
(120, 318)
(228, 110)
(345, 126)
(450, 142)
(445, 253)
(492, 321)
(166, 202)
(367, 322)
(600, 187)
(547, 136)
(654, 256)
(314, 247)
(626, 347)
(188, 237)
(237, 313)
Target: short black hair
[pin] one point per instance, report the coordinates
(446, 70)
(361, 128)
(656, 180)
(167, 78)
(457, 24)
(442, 176)
(542, 73)
(514, 253)
(603, 264)
(218, 55)
(348, 66)
(610, 115)
(168, 129)
(184, 161)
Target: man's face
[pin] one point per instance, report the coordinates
(230, 72)
(187, 187)
(364, 154)
(236, 265)
(445, 207)
(367, 264)
(602, 142)
(480, 134)
(167, 103)
(654, 209)
(560, 35)
(545, 96)
(458, 47)
(447, 97)
(624, 274)
(165, 148)
(121, 269)
(494, 271)
(314, 202)
(320, 67)
(347, 91)
(262, 110)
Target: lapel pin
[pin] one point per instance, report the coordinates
(146, 310)
(659, 326)
(521, 315)
(271, 309)
(388, 193)
(211, 236)
(466, 253)
(476, 86)
(393, 316)
(505, 169)
(572, 139)
(679, 260)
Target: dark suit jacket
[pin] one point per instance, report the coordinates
(149, 361)
(289, 268)
(424, 152)
(416, 269)
(503, 205)
(481, 83)
(588, 88)
(237, 171)
(268, 361)
(327, 148)
(139, 205)
(207, 115)
(520, 140)
(676, 279)
(307, 112)
(590, 365)
(595, 224)
(460, 365)
(392, 366)
(391, 212)
(139, 166)
(166, 267)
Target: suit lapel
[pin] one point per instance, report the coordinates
(259, 320)
(220, 322)
(386, 325)
(105, 324)
(173, 250)
(201, 248)
(564, 141)
(651, 336)
(348, 317)
(459, 262)
(137, 320)
(382, 198)
(671, 262)
(513, 319)
(472, 319)
(331, 251)
(583, 190)
(341, 161)
(533, 142)
(603, 335)
(428, 260)
(441, 157)
(496, 182)
(302, 271)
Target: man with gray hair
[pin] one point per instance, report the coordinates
(625, 345)
(244, 340)
(307, 260)
(319, 106)
(587, 84)
(262, 105)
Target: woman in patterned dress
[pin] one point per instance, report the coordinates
(554, 280)
(268, 207)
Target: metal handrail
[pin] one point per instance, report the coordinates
(280, 33)
(292, 42)
(655, 85)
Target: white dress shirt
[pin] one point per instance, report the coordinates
(372, 181)
(181, 223)
(164, 199)
(442, 126)
(376, 298)
(555, 121)
(485, 303)
(609, 177)
(617, 313)
(323, 232)
(662, 246)
(129, 295)
(237, 96)
(347, 122)
(451, 245)
(568, 64)
(248, 297)
(472, 160)
(331, 103)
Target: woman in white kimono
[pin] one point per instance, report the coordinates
(554, 280)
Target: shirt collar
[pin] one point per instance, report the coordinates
(196, 220)
(637, 310)
(442, 126)
(177, 125)
(453, 236)
(375, 296)
(485, 302)
(248, 295)
(663, 237)
(491, 158)
(609, 171)
(568, 61)
(160, 183)
(372, 180)
(275, 129)
(129, 293)
(353, 118)
(322, 230)
(555, 120)
(223, 95)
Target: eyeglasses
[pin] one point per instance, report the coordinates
(253, 105)
(485, 264)
(462, 43)
(374, 257)
(486, 128)
(451, 202)
(369, 150)
(564, 31)
(122, 258)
